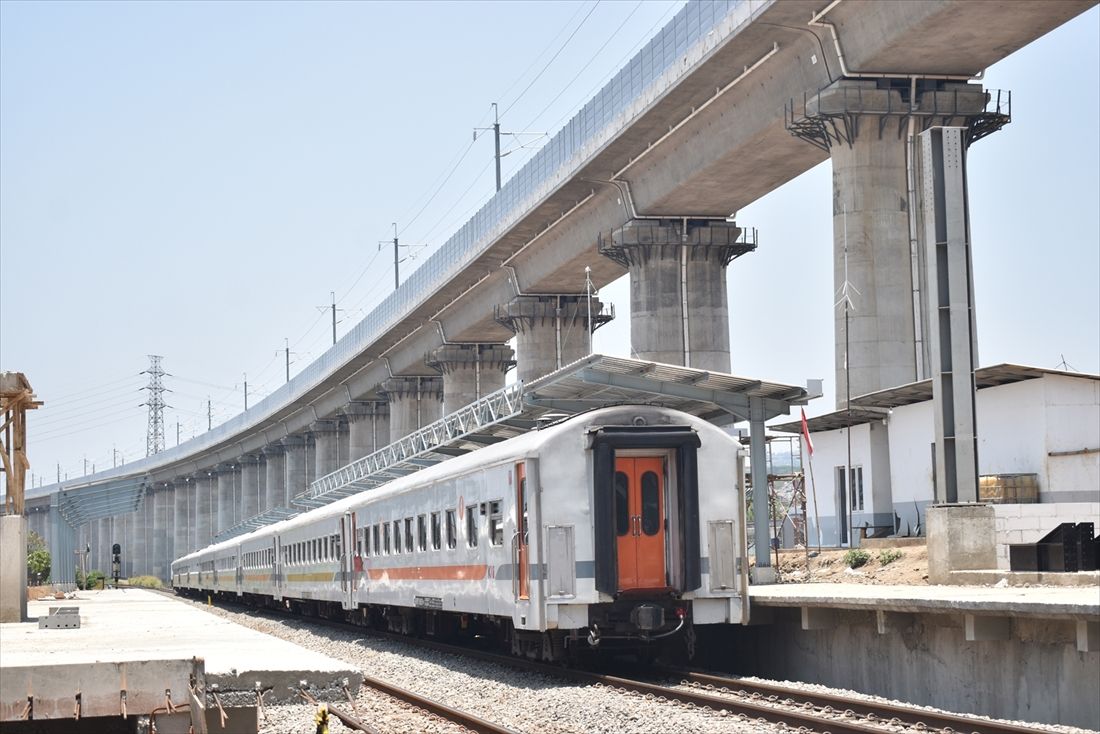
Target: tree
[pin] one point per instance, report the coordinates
(38, 560)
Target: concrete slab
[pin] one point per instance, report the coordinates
(121, 626)
(1078, 603)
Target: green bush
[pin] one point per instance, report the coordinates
(38, 567)
(145, 582)
(888, 556)
(93, 580)
(856, 557)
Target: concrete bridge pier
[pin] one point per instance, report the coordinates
(251, 471)
(343, 440)
(183, 489)
(297, 466)
(868, 127)
(139, 550)
(274, 477)
(551, 330)
(368, 427)
(226, 475)
(326, 455)
(204, 509)
(162, 529)
(415, 402)
(679, 307)
(470, 371)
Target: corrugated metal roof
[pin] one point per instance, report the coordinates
(872, 406)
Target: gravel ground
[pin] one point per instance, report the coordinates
(520, 700)
(524, 701)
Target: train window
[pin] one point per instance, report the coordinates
(496, 524)
(408, 535)
(651, 504)
(396, 536)
(386, 547)
(471, 526)
(435, 531)
(377, 544)
(359, 542)
(622, 504)
(336, 550)
(325, 547)
(421, 533)
(452, 530)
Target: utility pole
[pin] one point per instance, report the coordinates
(333, 294)
(286, 350)
(496, 139)
(246, 391)
(177, 433)
(59, 473)
(396, 260)
(85, 466)
(209, 414)
(154, 436)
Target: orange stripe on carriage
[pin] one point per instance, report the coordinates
(475, 572)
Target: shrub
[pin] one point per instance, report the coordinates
(38, 567)
(889, 555)
(93, 580)
(856, 557)
(145, 582)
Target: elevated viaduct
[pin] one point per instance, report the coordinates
(729, 101)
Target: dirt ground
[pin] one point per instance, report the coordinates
(828, 566)
(35, 593)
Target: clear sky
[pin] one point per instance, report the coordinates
(194, 179)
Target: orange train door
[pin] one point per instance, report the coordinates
(520, 538)
(640, 522)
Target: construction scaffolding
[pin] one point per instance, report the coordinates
(16, 398)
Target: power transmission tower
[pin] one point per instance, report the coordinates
(154, 436)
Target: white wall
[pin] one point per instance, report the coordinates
(831, 451)
(1073, 424)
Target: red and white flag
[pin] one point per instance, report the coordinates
(806, 433)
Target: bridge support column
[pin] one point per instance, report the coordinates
(183, 490)
(869, 128)
(224, 497)
(105, 544)
(679, 307)
(250, 486)
(326, 454)
(204, 509)
(414, 403)
(297, 469)
(274, 477)
(162, 526)
(368, 427)
(551, 330)
(470, 371)
(343, 441)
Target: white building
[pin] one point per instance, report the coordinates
(1031, 421)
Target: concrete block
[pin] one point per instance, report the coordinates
(1000, 511)
(818, 618)
(1088, 636)
(960, 538)
(13, 568)
(984, 629)
(1042, 510)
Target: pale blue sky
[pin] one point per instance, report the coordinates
(192, 180)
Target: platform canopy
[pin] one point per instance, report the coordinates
(80, 504)
(596, 381)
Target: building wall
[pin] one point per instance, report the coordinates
(1019, 425)
(1073, 424)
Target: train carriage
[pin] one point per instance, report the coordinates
(622, 526)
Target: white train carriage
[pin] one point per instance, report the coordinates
(623, 524)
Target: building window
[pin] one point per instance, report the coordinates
(856, 485)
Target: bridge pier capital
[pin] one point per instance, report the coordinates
(552, 330)
(470, 371)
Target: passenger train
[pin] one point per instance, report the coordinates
(619, 527)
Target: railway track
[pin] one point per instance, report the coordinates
(788, 705)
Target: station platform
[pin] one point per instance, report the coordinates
(1047, 602)
(141, 652)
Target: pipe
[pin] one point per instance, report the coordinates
(684, 299)
(817, 20)
(914, 246)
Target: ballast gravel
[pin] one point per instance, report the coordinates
(520, 700)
